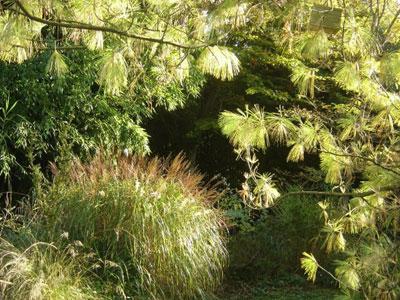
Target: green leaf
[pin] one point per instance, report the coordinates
(348, 75)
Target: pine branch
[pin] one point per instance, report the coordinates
(91, 27)
(338, 194)
(363, 158)
(61, 48)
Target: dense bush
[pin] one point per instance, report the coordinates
(148, 223)
(46, 119)
(269, 243)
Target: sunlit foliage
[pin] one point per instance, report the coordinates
(355, 136)
(131, 36)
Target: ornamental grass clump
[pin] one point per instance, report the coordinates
(35, 270)
(152, 219)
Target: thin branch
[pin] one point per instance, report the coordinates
(382, 12)
(77, 47)
(363, 158)
(84, 26)
(391, 26)
(338, 194)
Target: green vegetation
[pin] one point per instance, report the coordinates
(290, 109)
(133, 218)
(41, 271)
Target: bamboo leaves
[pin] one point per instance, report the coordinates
(245, 129)
(334, 240)
(348, 75)
(346, 272)
(317, 46)
(253, 128)
(346, 110)
(390, 68)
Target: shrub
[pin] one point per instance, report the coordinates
(152, 219)
(278, 237)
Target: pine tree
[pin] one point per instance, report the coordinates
(350, 47)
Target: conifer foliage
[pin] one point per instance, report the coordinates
(131, 36)
(356, 135)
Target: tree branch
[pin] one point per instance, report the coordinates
(84, 26)
(363, 158)
(391, 25)
(338, 194)
(77, 47)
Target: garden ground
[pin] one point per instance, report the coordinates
(278, 289)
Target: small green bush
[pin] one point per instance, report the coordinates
(151, 219)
